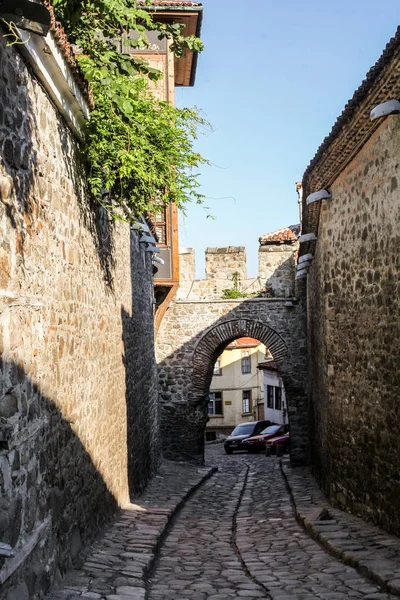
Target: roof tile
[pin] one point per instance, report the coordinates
(243, 341)
(286, 234)
(268, 365)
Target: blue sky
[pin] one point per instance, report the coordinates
(272, 80)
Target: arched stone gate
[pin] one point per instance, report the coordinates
(193, 335)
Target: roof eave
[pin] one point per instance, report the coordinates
(196, 10)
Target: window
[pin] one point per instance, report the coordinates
(278, 398)
(246, 402)
(274, 397)
(246, 362)
(215, 403)
(160, 220)
(217, 367)
(211, 436)
(270, 396)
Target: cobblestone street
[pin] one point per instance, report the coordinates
(197, 534)
(238, 538)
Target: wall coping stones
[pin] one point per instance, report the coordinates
(124, 555)
(361, 545)
(225, 250)
(236, 301)
(53, 71)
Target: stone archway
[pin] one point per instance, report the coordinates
(192, 336)
(213, 342)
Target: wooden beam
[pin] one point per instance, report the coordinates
(163, 307)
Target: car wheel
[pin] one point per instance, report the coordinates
(228, 450)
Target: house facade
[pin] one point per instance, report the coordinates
(275, 407)
(177, 72)
(236, 391)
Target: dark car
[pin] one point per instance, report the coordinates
(235, 440)
(256, 443)
(281, 440)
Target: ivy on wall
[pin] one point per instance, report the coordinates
(137, 148)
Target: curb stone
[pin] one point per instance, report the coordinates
(358, 544)
(119, 563)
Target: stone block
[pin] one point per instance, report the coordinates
(8, 405)
(20, 592)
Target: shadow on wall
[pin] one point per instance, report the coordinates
(26, 187)
(281, 280)
(185, 374)
(53, 499)
(143, 438)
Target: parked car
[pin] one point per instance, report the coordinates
(235, 440)
(256, 443)
(280, 440)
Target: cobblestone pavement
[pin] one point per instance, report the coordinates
(371, 550)
(235, 537)
(116, 565)
(238, 538)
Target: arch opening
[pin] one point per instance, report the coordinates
(186, 373)
(246, 395)
(217, 338)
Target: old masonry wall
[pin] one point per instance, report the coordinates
(354, 334)
(276, 271)
(78, 400)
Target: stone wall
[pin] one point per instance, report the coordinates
(78, 401)
(194, 333)
(276, 272)
(276, 268)
(354, 334)
(223, 262)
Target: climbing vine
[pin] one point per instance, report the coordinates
(139, 151)
(234, 292)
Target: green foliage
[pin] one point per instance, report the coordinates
(137, 148)
(234, 292)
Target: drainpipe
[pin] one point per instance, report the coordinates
(299, 190)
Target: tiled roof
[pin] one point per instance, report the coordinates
(62, 42)
(268, 365)
(280, 236)
(171, 3)
(244, 341)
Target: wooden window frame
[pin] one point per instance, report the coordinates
(219, 373)
(246, 360)
(215, 415)
(270, 397)
(250, 399)
(278, 399)
(165, 224)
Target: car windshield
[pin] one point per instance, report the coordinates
(271, 429)
(245, 429)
